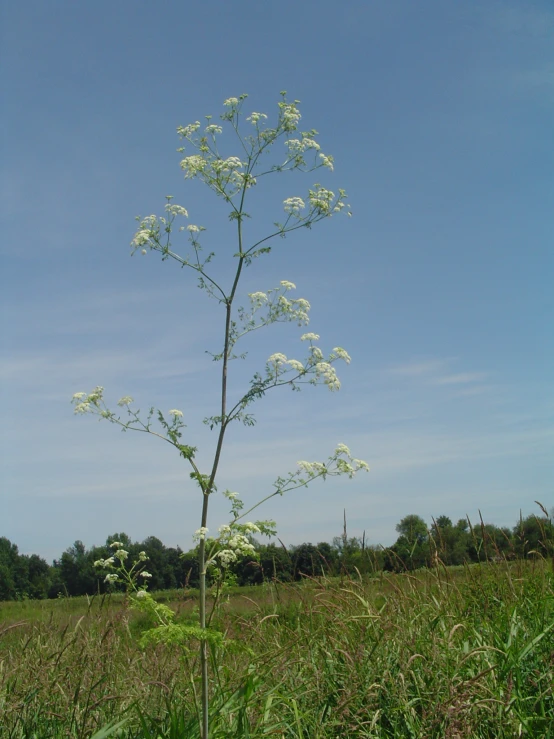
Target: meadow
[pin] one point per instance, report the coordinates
(450, 652)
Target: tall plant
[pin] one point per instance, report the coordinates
(231, 178)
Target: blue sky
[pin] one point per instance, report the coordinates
(439, 116)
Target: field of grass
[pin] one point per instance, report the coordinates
(458, 652)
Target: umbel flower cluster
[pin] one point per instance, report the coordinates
(118, 570)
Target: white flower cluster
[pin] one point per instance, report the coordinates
(258, 299)
(293, 205)
(299, 146)
(88, 402)
(193, 165)
(316, 365)
(321, 199)
(279, 308)
(147, 233)
(105, 562)
(235, 543)
(227, 165)
(213, 129)
(200, 534)
(255, 118)
(326, 372)
(278, 364)
(340, 353)
(290, 115)
(176, 210)
(175, 413)
(186, 131)
(341, 463)
(126, 400)
(327, 161)
(231, 102)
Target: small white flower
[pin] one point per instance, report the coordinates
(126, 400)
(288, 285)
(321, 199)
(317, 354)
(177, 210)
(79, 396)
(99, 563)
(141, 237)
(213, 128)
(193, 165)
(82, 408)
(200, 533)
(257, 299)
(291, 116)
(116, 545)
(226, 557)
(231, 102)
(142, 556)
(342, 354)
(293, 205)
(142, 594)
(277, 359)
(121, 554)
(232, 163)
(175, 413)
(194, 229)
(296, 365)
(186, 131)
(111, 577)
(309, 337)
(295, 146)
(327, 161)
(145, 574)
(342, 449)
(256, 117)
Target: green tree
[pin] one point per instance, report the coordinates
(76, 571)
(413, 528)
(534, 535)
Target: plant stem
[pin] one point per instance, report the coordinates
(207, 489)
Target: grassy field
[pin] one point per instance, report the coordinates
(459, 652)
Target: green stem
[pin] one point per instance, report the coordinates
(209, 486)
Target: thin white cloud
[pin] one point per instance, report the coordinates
(436, 372)
(420, 368)
(463, 378)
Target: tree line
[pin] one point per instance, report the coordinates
(418, 545)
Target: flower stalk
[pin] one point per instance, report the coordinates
(231, 178)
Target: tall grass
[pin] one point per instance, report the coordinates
(458, 652)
